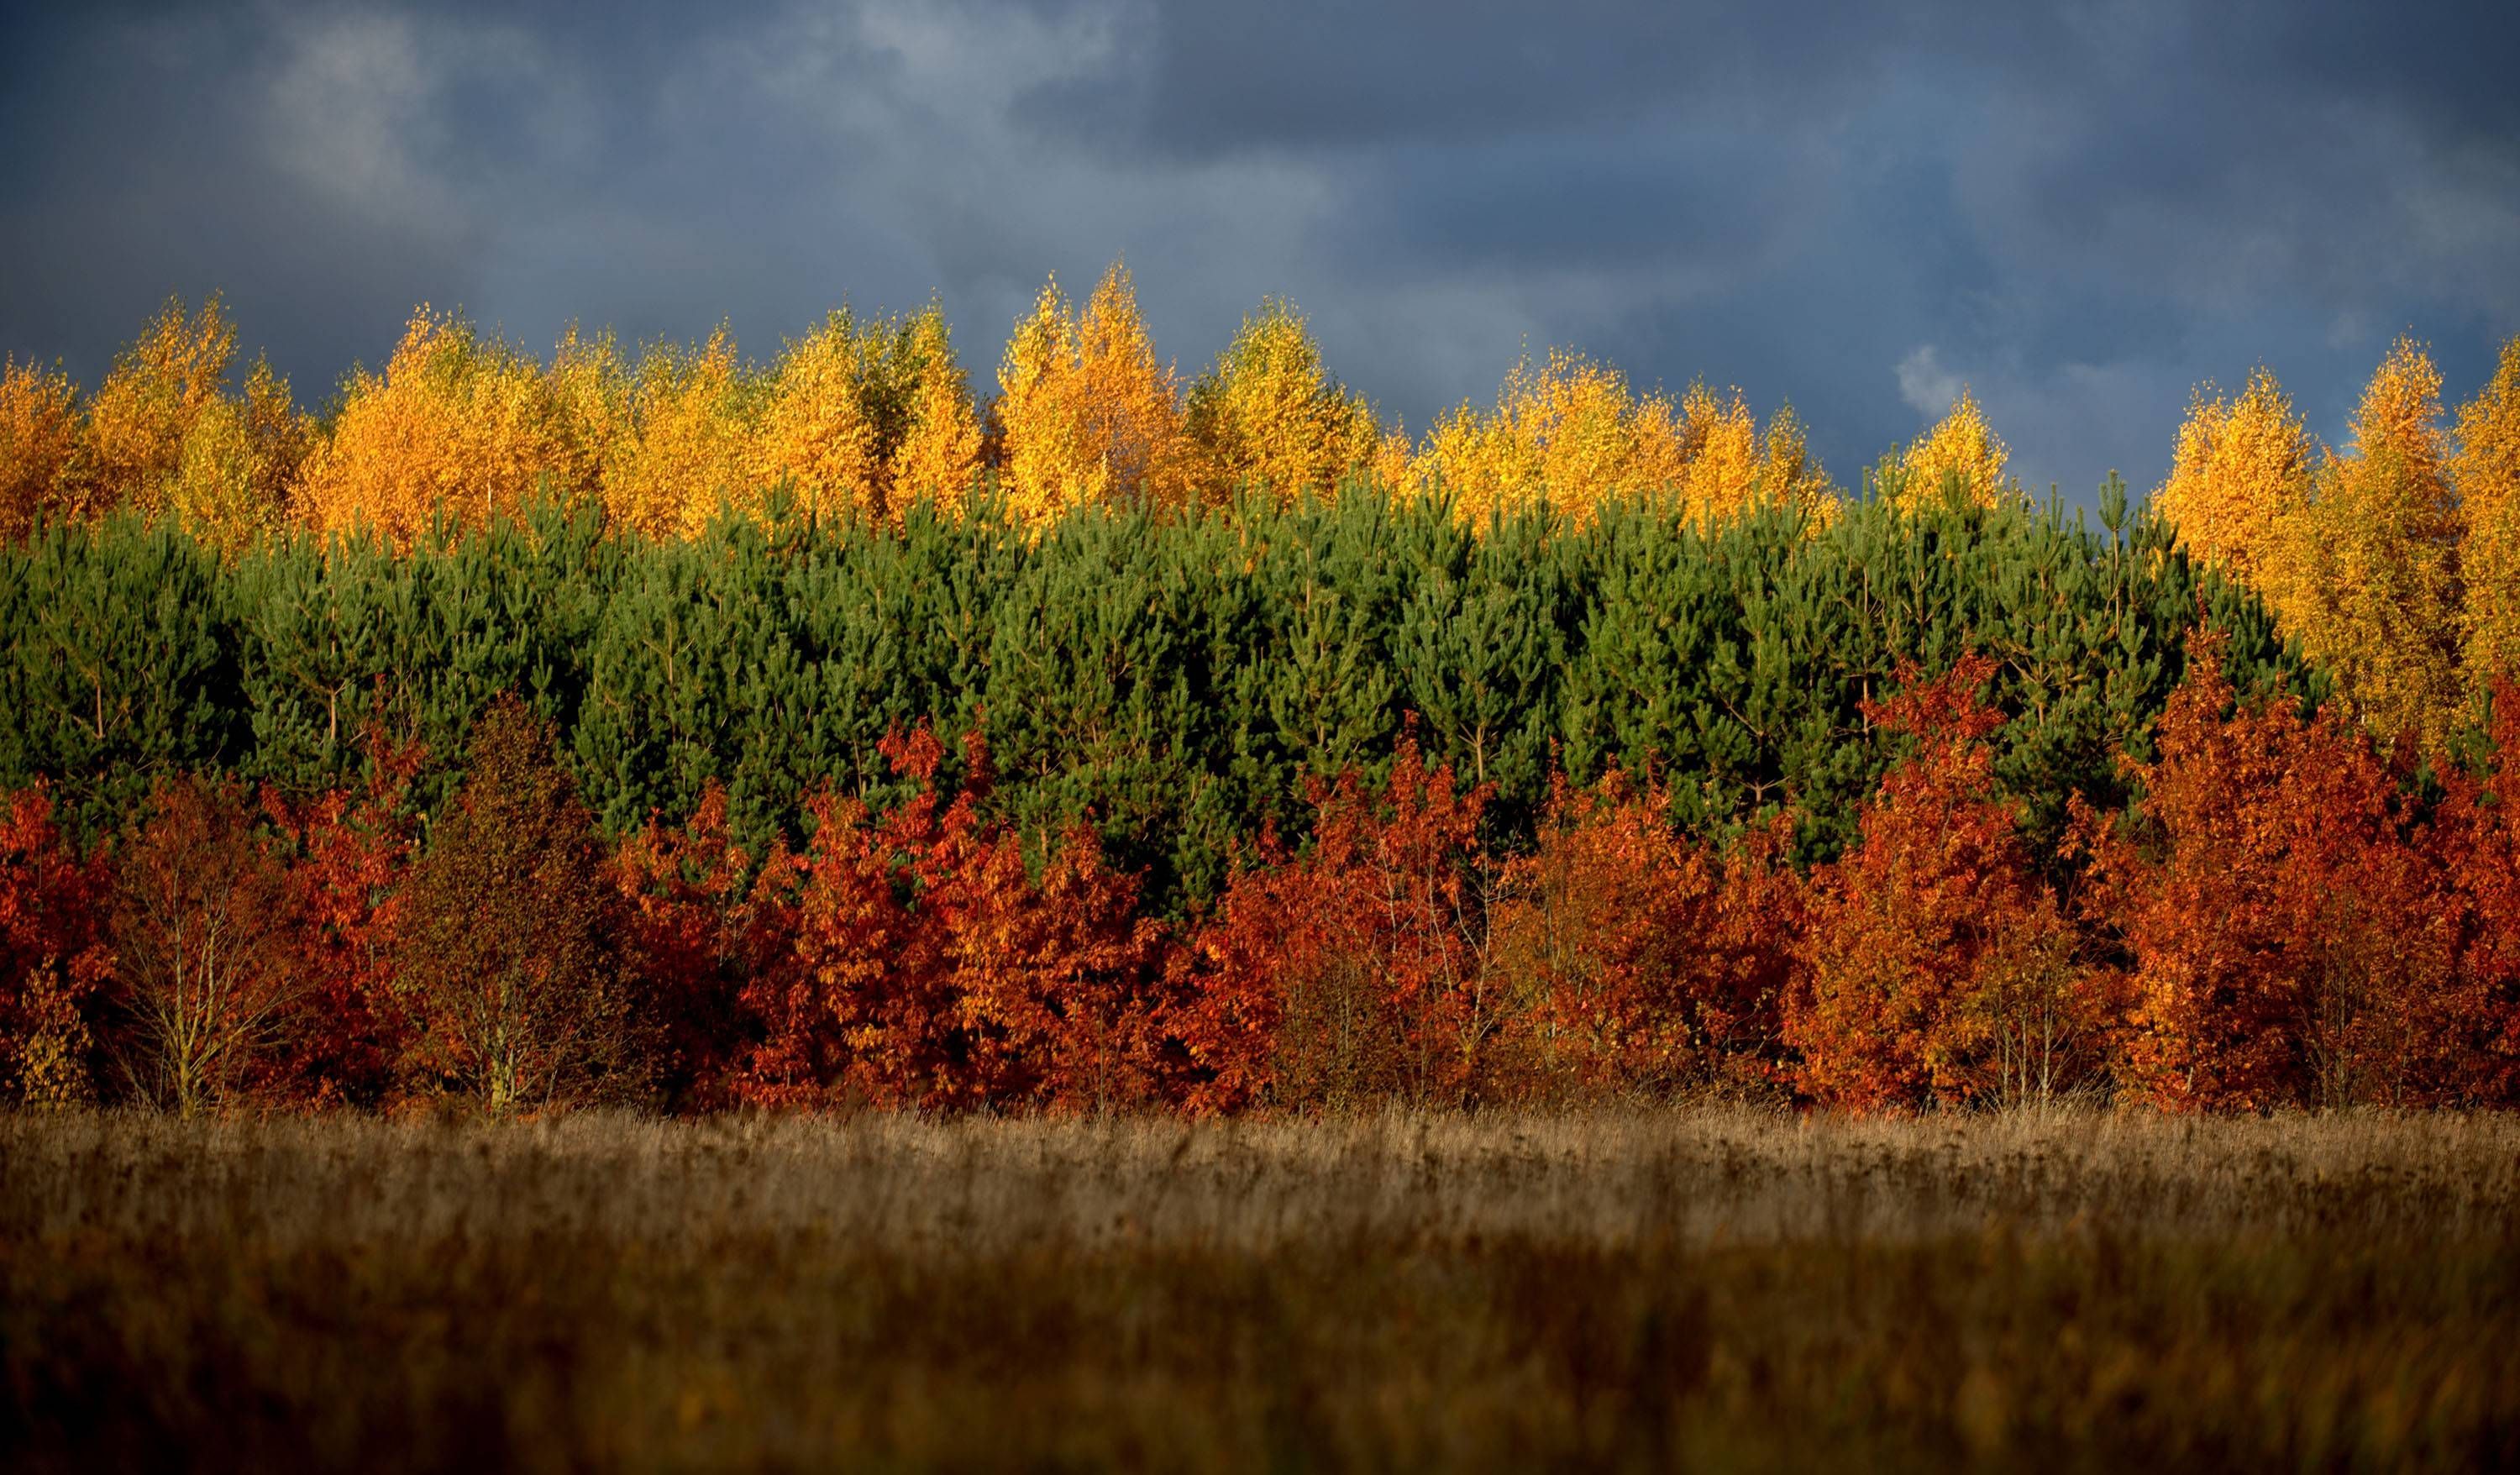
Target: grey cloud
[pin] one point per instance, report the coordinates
(2082, 209)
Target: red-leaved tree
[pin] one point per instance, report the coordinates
(1937, 967)
(929, 966)
(1355, 971)
(2475, 844)
(708, 927)
(2285, 941)
(1637, 960)
(53, 957)
(203, 939)
(351, 854)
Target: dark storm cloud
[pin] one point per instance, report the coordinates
(2080, 212)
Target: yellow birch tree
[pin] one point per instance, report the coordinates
(939, 451)
(2240, 470)
(1089, 414)
(816, 435)
(1270, 417)
(1959, 450)
(456, 422)
(2369, 577)
(2484, 472)
(39, 435)
(157, 390)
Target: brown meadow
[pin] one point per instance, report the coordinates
(1702, 1286)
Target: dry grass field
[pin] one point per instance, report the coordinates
(1705, 1288)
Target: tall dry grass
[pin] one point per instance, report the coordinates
(1713, 1286)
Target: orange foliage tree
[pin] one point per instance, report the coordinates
(52, 956)
(930, 966)
(39, 442)
(2474, 1040)
(202, 933)
(1355, 971)
(1088, 415)
(350, 858)
(710, 932)
(2284, 942)
(1637, 960)
(1938, 966)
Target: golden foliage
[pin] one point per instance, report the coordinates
(866, 415)
(1958, 451)
(1270, 418)
(2240, 469)
(457, 422)
(2484, 472)
(1726, 467)
(1573, 431)
(1568, 430)
(1089, 414)
(687, 439)
(239, 460)
(158, 392)
(38, 445)
(938, 455)
(816, 435)
(2369, 571)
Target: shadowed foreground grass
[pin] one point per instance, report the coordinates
(1627, 1290)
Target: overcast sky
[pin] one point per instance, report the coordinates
(2079, 215)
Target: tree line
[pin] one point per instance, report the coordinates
(2275, 918)
(2393, 558)
(1171, 679)
(658, 725)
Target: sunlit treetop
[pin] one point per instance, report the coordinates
(158, 387)
(1960, 451)
(38, 437)
(457, 422)
(1088, 412)
(2368, 574)
(940, 452)
(1568, 430)
(2485, 475)
(1268, 418)
(2239, 464)
(817, 438)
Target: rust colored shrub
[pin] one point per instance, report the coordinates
(1356, 972)
(1938, 968)
(508, 953)
(1637, 960)
(707, 929)
(351, 855)
(1048, 979)
(201, 936)
(2286, 945)
(2475, 843)
(931, 968)
(52, 956)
